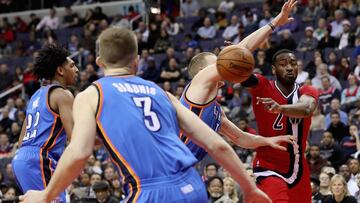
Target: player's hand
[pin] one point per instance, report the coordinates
(34, 196)
(275, 142)
(283, 17)
(256, 196)
(227, 43)
(270, 105)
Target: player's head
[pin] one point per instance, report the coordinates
(53, 63)
(117, 49)
(200, 61)
(284, 66)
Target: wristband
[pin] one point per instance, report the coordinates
(272, 26)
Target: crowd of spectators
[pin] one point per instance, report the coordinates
(325, 36)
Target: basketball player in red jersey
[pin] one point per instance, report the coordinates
(281, 107)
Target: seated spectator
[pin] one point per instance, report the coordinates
(117, 189)
(346, 38)
(248, 17)
(171, 26)
(357, 194)
(230, 190)
(349, 7)
(337, 127)
(332, 60)
(50, 21)
(312, 12)
(170, 53)
(316, 196)
(144, 31)
(339, 191)
(162, 43)
(356, 29)
(309, 43)
(250, 22)
(120, 21)
(350, 95)
(324, 184)
(322, 70)
(34, 21)
(240, 35)
(20, 25)
(315, 161)
(337, 23)
(85, 188)
(267, 18)
(330, 150)
(226, 6)
(102, 192)
(98, 15)
(171, 73)
(221, 21)
(189, 8)
(215, 188)
(243, 124)
(232, 29)
(131, 13)
(261, 65)
(5, 77)
(210, 171)
(14, 133)
(351, 144)
(354, 167)
(302, 75)
(317, 120)
(320, 31)
(327, 41)
(70, 19)
(5, 146)
(357, 68)
(327, 94)
(189, 54)
(342, 70)
(207, 31)
(287, 42)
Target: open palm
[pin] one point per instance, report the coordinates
(283, 16)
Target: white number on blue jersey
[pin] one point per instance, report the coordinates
(30, 124)
(151, 120)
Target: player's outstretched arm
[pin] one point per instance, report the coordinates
(77, 153)
(203, 87)
(302, 109)
(203, 136)
(251, 141)
(255, 39)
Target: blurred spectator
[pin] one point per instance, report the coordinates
(335, 106)
(50, 21)
(267, 18)
(337, 24)
(102, 192)
(357, 194)
(207, 31)
(322, 70)
(5, 78)
(346, 38)
(154, 35)
(316, 196)
(189, 8)
(70, 19)
(327, 94)
(120, 21)
(330, 150)
(250, 22)
(152, 73)
(5, 146)
(240, 35)
(131, 13)
(342, 71)
(349, 7)
(226, 6)
(171, 26)
(319, 32)
(143, 30)
(210, 171)
(232, 29)
(117, 188)
(315, 161)
(215, 188)
(309, 43)
(34, 21)
(261, 64)
(243, 124)
(302, 75)
(317, 120)
(109, 173)
(327, 41)
(74, 44)
(89, 16)
(337, 127)
(14, 132)
(350, 95)
(170, 53)
(351, 144)
(221, 21)
(230, 190)
(5, 121)
(324, 184)
(287, 42)
(98, 15)
(356, 29)
(339, 191)
(189, 54)
(332, 60)
(20, 25)
(171, 73)
(354, 169)
(162, 43)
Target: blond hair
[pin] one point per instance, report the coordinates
(199, 62)
(342, 180)
(233, 195)
(117, 46)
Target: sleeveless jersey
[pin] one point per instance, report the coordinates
(138, 125)
(210, 113)
(44, 128)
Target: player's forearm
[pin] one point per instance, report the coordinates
(255, 39)
(69, 167)
(298, 110)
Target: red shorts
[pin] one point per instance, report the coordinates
(279, 192)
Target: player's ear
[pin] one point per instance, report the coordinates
(273, 71)
(99, 62)
(60, 70)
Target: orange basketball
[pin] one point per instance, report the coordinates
(235, 64)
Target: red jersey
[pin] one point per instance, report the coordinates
(269, 161)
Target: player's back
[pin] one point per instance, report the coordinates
(44, 128)
(210, 113)
(138, 125)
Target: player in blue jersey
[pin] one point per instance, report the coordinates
(200, 97)
(48, 120)
(139, 125)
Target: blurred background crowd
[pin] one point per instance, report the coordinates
(325, 37)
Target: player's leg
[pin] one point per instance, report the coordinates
(276, 188)
(302, 188)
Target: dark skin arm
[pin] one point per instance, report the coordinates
(22, 133)
(302, 109)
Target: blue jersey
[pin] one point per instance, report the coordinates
(44, 128)
(138, 125)
(210, 113)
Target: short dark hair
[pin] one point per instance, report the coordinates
(334, 112)
(213, 178)
(212, 164)
(281, 51)
(50, 57)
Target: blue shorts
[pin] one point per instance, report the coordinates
(184, 187)
(33, 169)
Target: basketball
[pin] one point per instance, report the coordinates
(235, 64)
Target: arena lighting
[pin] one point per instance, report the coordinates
(155, 10)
